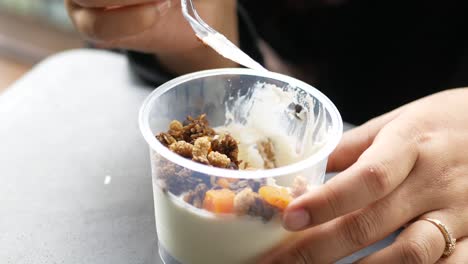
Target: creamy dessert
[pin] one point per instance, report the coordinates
(208, 219)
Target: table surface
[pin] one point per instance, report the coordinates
(75, 182)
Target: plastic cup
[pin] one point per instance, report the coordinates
(188, 234)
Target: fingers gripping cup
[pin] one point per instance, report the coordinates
(230, 149)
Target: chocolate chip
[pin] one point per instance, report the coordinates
(298, 108)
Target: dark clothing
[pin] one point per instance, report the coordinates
(369, 57)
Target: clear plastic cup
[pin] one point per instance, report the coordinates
(189, 232)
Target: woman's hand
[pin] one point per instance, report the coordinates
(397, 169)
(157, 27)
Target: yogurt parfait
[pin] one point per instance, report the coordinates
(230, 149)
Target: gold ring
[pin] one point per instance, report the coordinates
(449, 240)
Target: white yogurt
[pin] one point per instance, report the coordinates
(194, 236)
(266, 115)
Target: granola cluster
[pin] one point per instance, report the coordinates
(266, 149)
(196, 196)
(176, 179)
(189, 131)
(194, 139)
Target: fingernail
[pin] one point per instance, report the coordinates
(296, 220)
(163, 7)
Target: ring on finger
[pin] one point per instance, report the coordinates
(450, 242)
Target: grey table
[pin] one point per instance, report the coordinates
(75, 184)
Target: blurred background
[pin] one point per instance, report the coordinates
(31, 30)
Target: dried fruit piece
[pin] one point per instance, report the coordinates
(223, 182)
(262, 209)
(196, 196)
(201, 149)
(276, 196)
(219, 201)
(243, 201)
(182, 148)
(219, 160)
(299, 186)
(241, 184)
